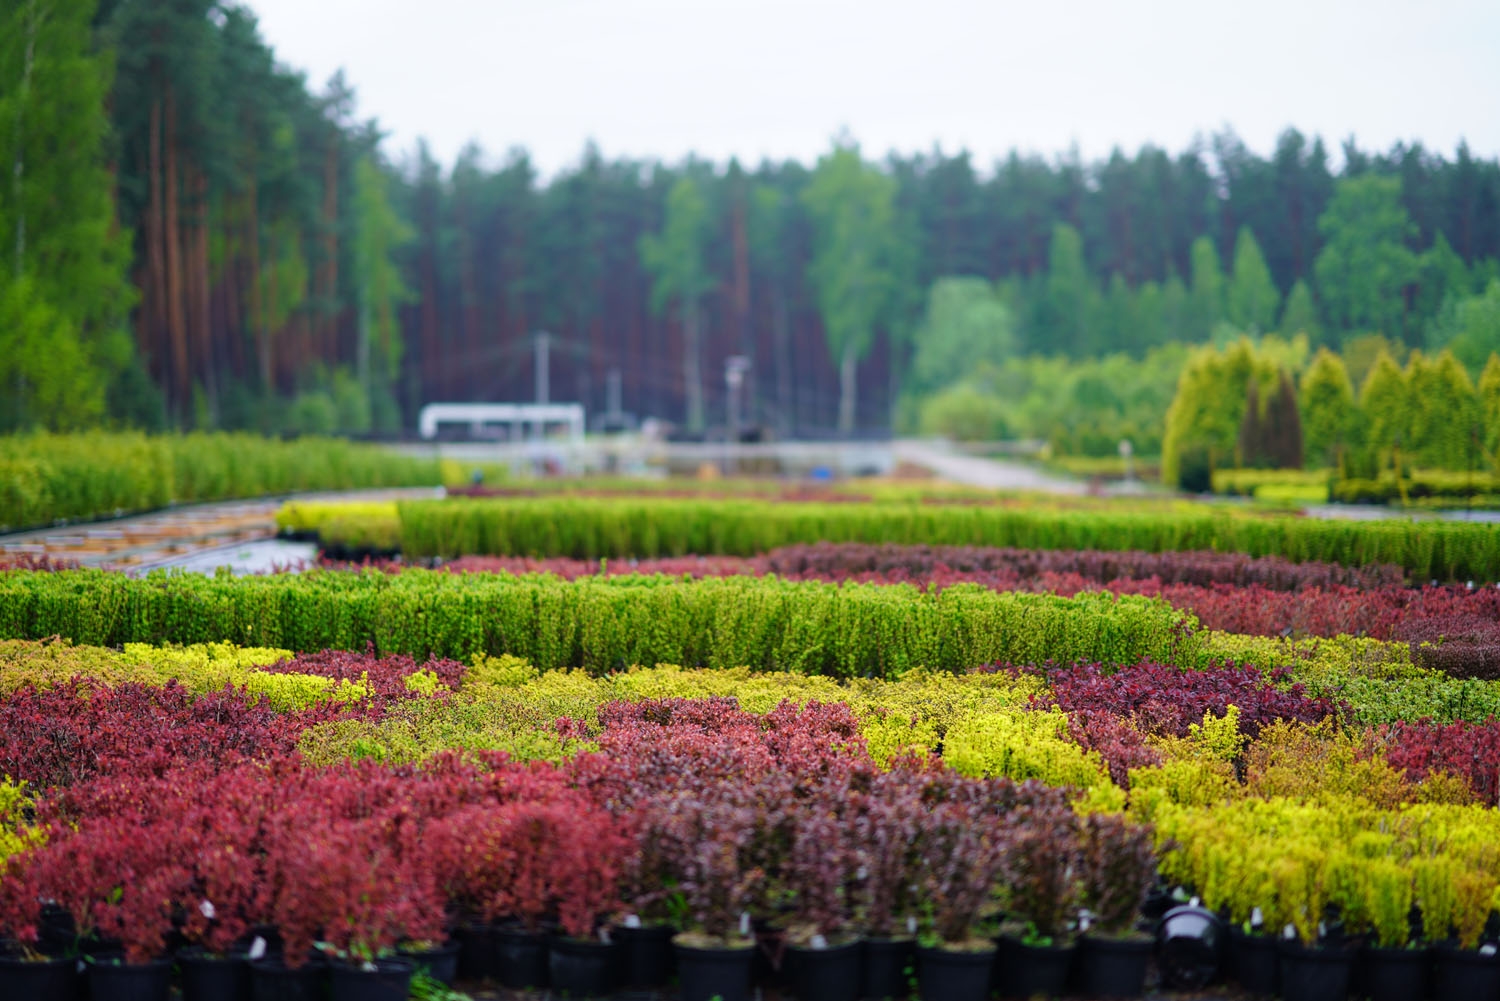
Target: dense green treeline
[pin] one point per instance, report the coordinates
(225, 246)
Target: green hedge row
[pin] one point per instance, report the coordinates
(49, 477)
(589, 529)
(853, 630)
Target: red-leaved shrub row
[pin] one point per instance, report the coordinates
(690, 807)
(828, 560)
(82, 729)
(839, 561)
(386, 675)
(1166, 700)
(1470, 751)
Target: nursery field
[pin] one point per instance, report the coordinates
(696, 746)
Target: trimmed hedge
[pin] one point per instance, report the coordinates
(601, 624)
(47, 477)
(588, 528)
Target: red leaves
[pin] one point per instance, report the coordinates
(1161, 699)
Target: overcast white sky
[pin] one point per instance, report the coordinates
(778, 78)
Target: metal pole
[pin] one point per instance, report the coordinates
(612, 394)
(540, 339)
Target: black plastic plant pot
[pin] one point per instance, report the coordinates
(382, 980)
(1113, 967)
(273, 980)
(884, 965)
(112, 981)
(1023, 971)
(704, 974)
(1189, 948)
(206, 977)
(476, 952)
(830, 974)
(1464, 974)
(44, 980)
(1253, 962)
(1315, 973)
(520, 958)
(581, 968)
(1392, 974)
(953, 974)
(645, 956)
(440, 962)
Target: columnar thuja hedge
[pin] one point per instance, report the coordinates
(590, 528)
(602, 624)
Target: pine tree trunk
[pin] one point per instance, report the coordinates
(847, 385)
(154, 309)
(327, 338)
(176, 322)
(781, 331)
(18, 167)
(257, 310)
(692, 367)
(202, 311)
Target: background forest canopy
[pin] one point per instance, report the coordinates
(195, 237)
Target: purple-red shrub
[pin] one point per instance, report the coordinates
(1470, 751)
(386, 675)
(83, 729)
(1161, 699)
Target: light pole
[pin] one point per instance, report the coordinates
(735, 367)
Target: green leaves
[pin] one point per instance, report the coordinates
(602, 625)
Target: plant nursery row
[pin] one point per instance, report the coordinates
(594, 528)
(352, 819)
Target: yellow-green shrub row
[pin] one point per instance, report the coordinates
(200, 668)
(1289, 859)
(590, 528)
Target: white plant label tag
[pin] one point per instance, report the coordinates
(1195, 902)
(1289, 932)
(911, 925)
(206, 908)
(818, 942)
(745, 923)
(631, 921)
(1257, 918)
(258, 948)
(1488, 949)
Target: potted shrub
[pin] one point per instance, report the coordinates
(117, 879)
(1037, 942)
(963, 851)
(823, 952)
(643, 935)
(590, 851)
(708, 841)
(1117, 868)
(1392, 965)
(220, 903)
(1456, 902)
(886, 835)
(1311, 966)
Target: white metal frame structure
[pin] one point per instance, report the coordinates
(522, 418)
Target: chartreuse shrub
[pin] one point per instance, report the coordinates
(46, 477)
(1023, 744)
(200, 668)
(601, 624)
(1289, 860)
(591, 528)
(16, 833)
(506, 704)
